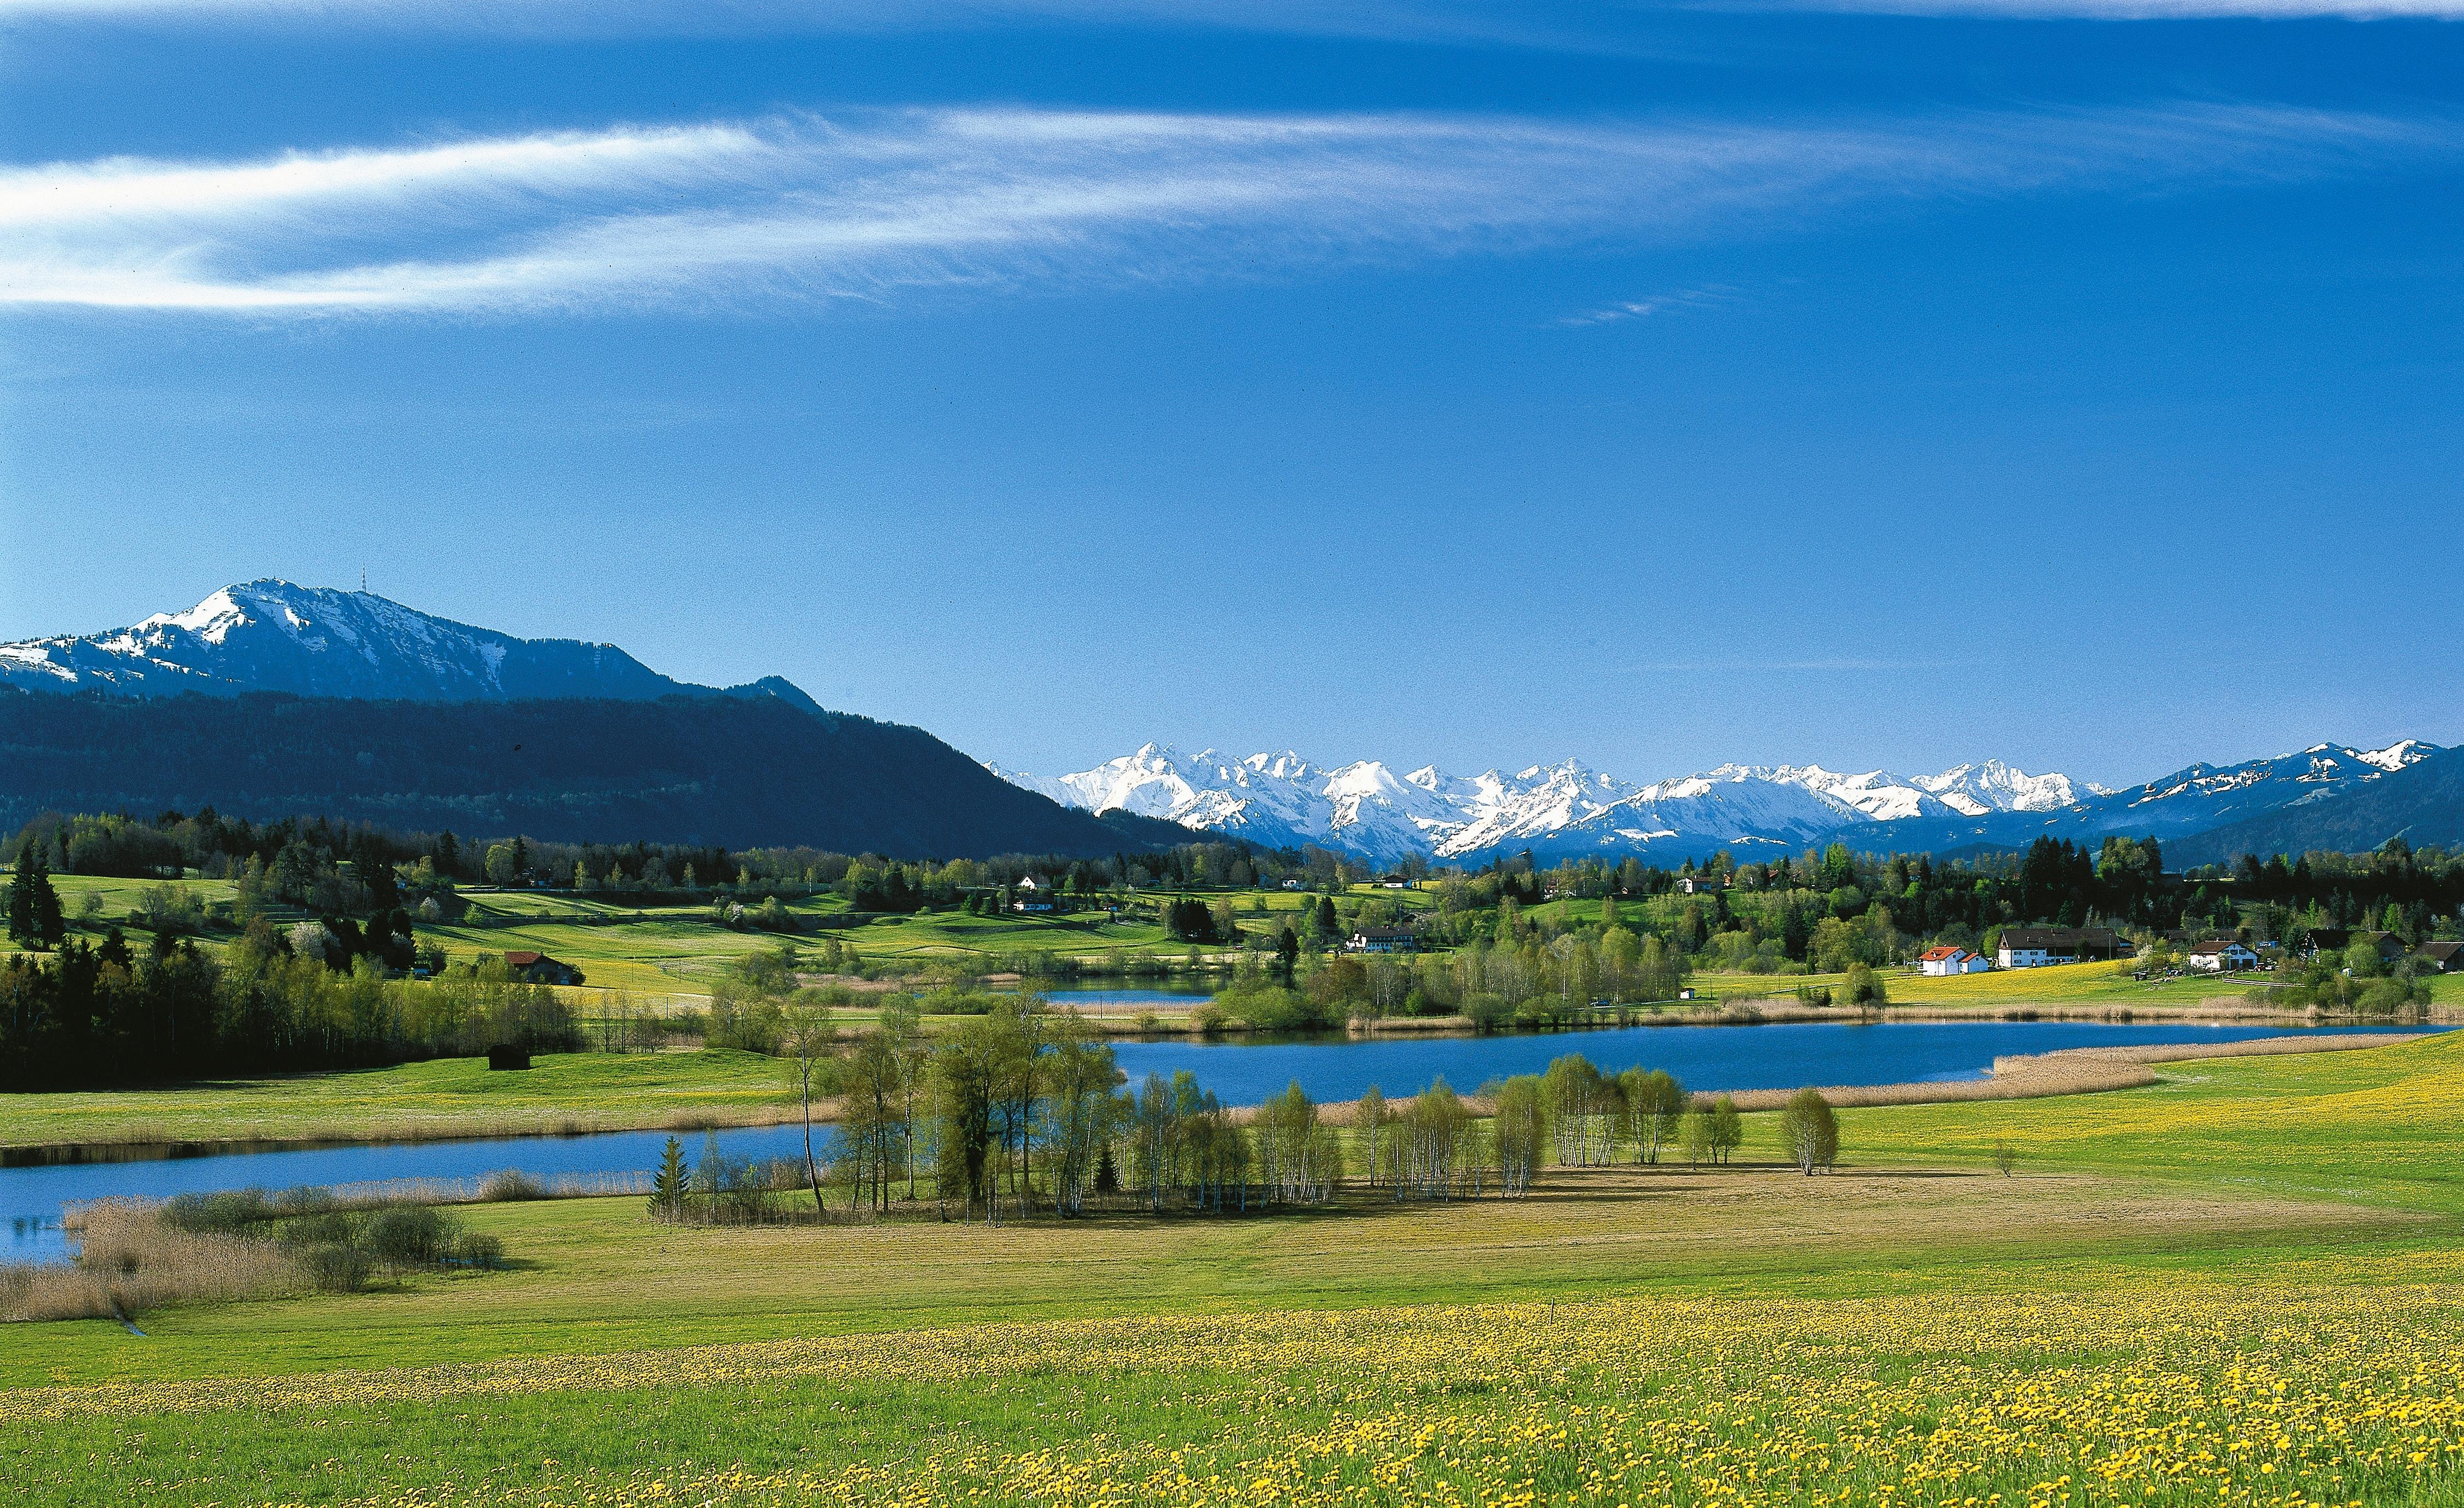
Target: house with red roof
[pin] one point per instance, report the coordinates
(1948, 959)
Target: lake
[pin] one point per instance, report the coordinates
(1781, 1057)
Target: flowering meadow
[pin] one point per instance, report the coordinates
(2173, 1395)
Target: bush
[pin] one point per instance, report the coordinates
(1269, 1008)
(1863, 986)
(337, 1269)
(1487, 1010)
(408, 1236)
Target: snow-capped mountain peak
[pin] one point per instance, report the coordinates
(1284, 800)
(315, 641)
(2397, 755)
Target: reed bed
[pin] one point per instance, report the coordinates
(131, 1259)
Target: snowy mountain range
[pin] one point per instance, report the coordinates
(314, 641)
(1284, 800)
(1569, 808)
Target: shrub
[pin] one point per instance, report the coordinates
(408, 1236)
(337, 1269)
(1486, 1010)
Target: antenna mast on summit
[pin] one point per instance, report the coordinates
(363, 580)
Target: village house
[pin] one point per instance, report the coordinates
(2221, 956)
(537, 969)
(2035, 947)
(1947, 959)
(1699, 884)
(2391, 949)
(1383, 939)
(2444, 958)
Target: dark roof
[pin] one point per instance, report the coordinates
(2220, 944)
(2054, 940)
(1388, 933)
(2441, 951)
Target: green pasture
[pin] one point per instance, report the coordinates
(2149, 1233)
(441, 1097)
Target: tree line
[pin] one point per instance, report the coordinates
(89, 1015)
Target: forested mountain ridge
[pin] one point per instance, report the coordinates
(734, 771)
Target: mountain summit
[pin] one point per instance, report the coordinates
(1284, 800)
(314, 641)
(1567, 809)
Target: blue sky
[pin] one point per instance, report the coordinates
(1892, 382)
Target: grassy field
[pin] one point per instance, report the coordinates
(447, 1096)
(2236, 1287)
(675, 952)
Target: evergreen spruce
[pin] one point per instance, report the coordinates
(668, 1185)
(21, 897)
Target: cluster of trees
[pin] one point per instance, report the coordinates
(35, 916)
(108, 1014)
(1020, 1109)
(1529, 975)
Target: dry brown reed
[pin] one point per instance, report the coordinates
(130, 1259)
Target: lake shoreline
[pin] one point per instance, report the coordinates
(2062, 1071)
(2224, 1011)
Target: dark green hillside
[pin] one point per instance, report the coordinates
(732, 771)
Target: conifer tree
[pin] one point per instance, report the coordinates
(21, 897)
(668, 1185)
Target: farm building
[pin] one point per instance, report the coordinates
(2034, 947)
(1700, 884)
(2222, 955)
(2445, 958)
(1943, 961)
(537, 969)
(1383, 939)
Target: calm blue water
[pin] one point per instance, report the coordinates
(1785, 1056)
(1703, 1057)
(31, 1197)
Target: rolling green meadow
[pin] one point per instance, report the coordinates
(678, 953)
(2238, 1285)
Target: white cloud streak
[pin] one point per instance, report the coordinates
(1657, 303)
(866, 206)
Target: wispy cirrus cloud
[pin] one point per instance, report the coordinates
(1657, 303)
(869, 206)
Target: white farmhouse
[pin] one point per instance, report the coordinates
(1940, 962)
(2223, 956)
